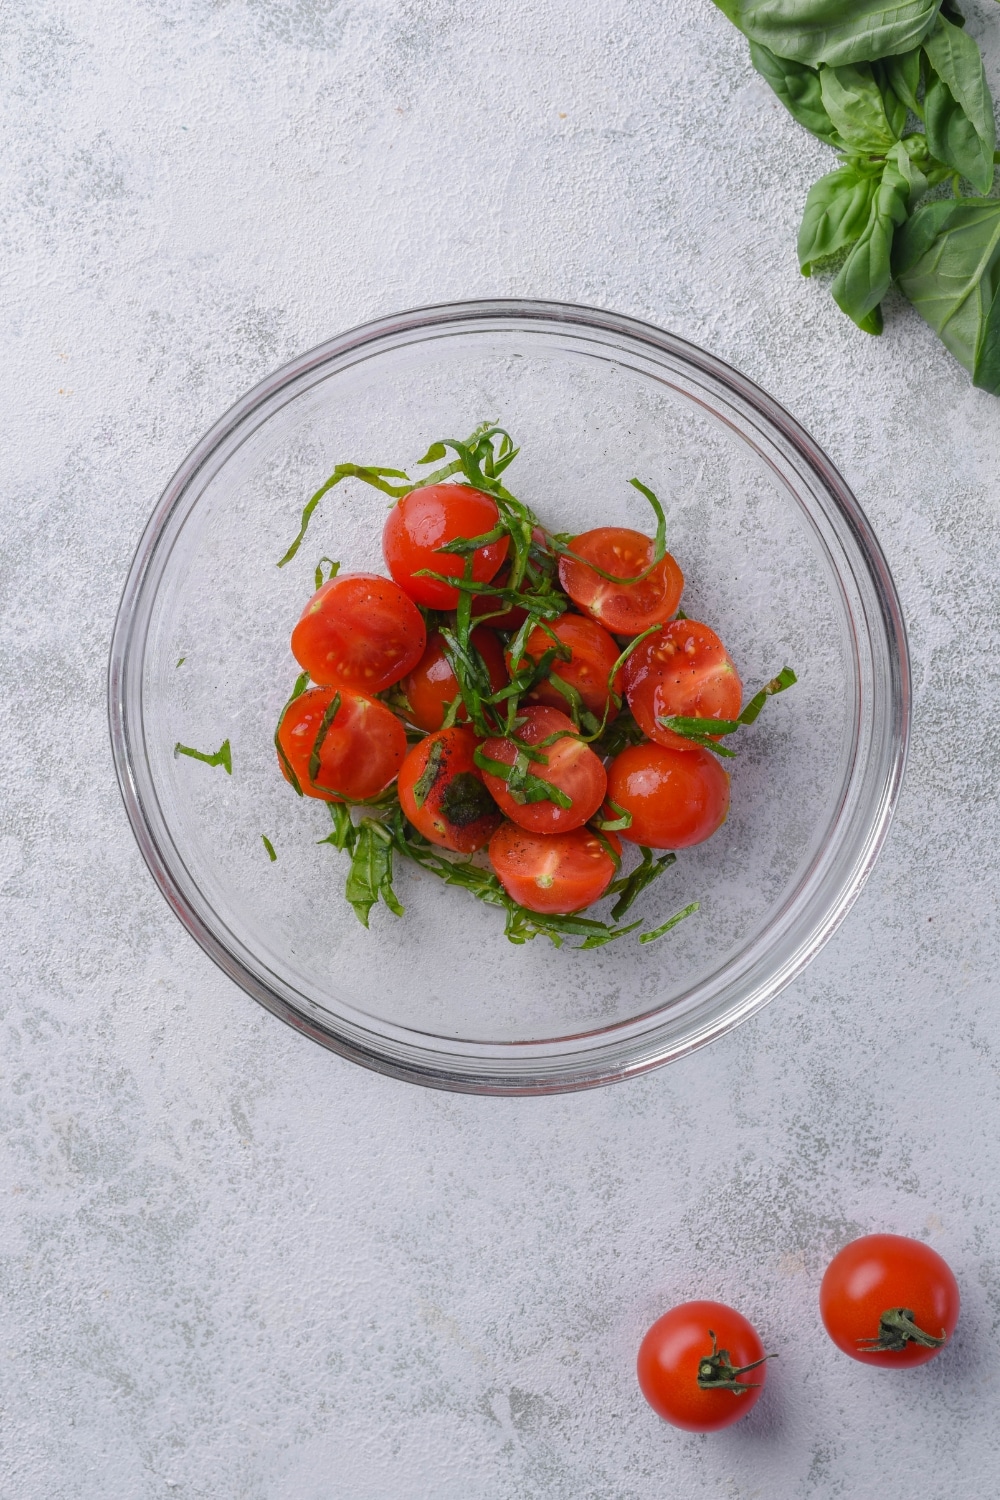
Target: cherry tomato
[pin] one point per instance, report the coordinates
(623, 608)
(683, 669)
(361, 749)
(442, 793)
(888, 1300)
(705, 1341)
(432, 684)
(359, 631)
(570, 766)
(425, 520)
(490, 604)
(594, 653)
(676, 797)
(553, 873)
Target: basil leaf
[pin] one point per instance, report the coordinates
(864, 278)
(902, 74)
(947, 262)
(854, 103)
(644, 874)
(958, 110)
(836, 214)
(797, 86)
(833, 31)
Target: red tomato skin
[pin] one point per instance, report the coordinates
(684, 669)
(622, 608)
(425, 520)
(668, 1361)
(572, 767)
(594, 654)
(359, 631)
(432, 684)
(677, 798)
(554, 873)
(432, 819)
(880, 1271)
(362, 750)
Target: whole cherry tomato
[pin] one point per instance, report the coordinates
(567, 764)
(555, 873)
(425, 520)
(701, 1366)
(685, 670)
(676, 797)
(623, 608)
(432, 685)
(359, 631)
(442, 793)
(888, 1300)
(593, 654)
(343, 753)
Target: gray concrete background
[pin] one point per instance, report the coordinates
(233, 1265)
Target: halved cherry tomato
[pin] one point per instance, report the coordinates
(432, 685)
(676, 797)
(683, 669)
(687, 1345)
(570, 766)
(425, 520)
(553, 873)
(623, 608)
(359, 631)
(888, 1300)
(441, 791)
(594, 653)
(361, 744)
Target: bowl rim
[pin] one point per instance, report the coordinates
(600, 1065)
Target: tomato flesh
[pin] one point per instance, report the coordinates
(360, 631)
(427, 519)
(623, 608)
(432, 685)
(572, 767)
(361, 751)
(594, 653)
(450, 805)
(683, 669)
(554, 873)
(676, 797)
(674, 1350)
(879, 1272)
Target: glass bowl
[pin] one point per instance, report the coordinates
(778, 557)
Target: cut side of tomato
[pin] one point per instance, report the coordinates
(339, 744)
(683, 670)
(554, 873)
(426, 520)
(676, 798)
(432, 685)
(622, 608)
(593, 655)
(567, 766)
(359, 631)
(441, 791)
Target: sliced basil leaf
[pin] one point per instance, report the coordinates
(833, 31)
(947, 262)
(370, 875)
(797, 86)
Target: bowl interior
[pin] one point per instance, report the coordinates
(768, 563)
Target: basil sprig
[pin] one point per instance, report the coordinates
(900, 92)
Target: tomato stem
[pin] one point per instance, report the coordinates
(897, 1328)
(716, 1371)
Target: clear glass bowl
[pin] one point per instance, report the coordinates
(778, 557)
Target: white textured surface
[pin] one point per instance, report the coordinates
(233, 1265)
